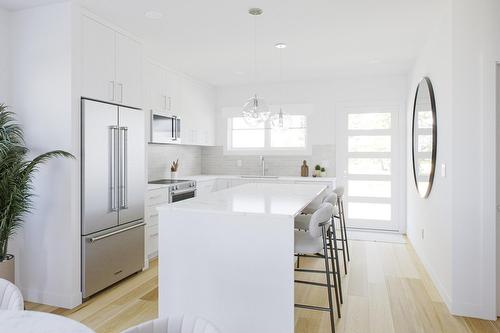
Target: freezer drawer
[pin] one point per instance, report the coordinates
(111, 256)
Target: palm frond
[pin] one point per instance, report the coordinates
(16, 174)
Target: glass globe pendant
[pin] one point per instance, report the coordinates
(280, 120)
(256, 109)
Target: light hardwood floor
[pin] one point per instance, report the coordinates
(386, 290)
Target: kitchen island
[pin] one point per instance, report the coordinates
(228, 256)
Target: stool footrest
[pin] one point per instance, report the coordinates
(318, 284)
(303, 270)
(312, 307)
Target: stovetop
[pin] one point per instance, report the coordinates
(168, 181)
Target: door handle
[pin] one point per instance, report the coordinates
(124, 168)
(98, 238)
(112, 168)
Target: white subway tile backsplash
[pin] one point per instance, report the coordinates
(214, 162)
(160, 157)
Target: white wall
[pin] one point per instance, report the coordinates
(433, 214)
(4, 57)
(48, 247)
(459, 217)
(324, 95)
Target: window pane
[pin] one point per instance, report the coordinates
(424, 143)
(425, 119)
(240, 123)
(296, 121)
(369, 188)
(289, 138)
(369, 121)
(369, 166)
(369, 211)
(370, 144)
(248, 138)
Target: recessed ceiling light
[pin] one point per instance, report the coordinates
(255, 11)
(153, 15)
(280, 45)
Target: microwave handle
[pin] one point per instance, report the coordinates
(174, 128)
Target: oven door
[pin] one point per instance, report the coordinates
(179, 195)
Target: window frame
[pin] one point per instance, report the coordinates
(295, 109)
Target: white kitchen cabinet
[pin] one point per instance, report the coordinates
(111, 65)
(205, 187)
(163, 89)
(198, 119)
(154, 198)
(128, 71)
(98, 60)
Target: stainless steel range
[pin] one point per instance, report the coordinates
(178, 189)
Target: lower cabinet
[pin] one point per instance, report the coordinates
(205, 187)
(154, 199)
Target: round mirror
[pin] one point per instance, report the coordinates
(424, 138)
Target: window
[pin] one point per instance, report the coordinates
(243, 137)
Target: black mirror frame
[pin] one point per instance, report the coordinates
(434, 137)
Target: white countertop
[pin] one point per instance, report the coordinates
(206, 178)
(254, 198)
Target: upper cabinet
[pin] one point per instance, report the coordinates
(111, 65)
(193, 102)
(163, 90)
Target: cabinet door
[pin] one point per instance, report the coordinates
(172, 90)
(128, 71)
(154, 81)
(98, 61)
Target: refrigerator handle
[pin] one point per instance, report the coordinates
(112, 167)
(124, 168)
(174, 128)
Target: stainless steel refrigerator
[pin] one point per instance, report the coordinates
(113, 185)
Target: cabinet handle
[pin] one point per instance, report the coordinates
(120, 92)
(111, 90)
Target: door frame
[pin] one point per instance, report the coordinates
(400, 160)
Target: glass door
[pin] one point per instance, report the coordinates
(368, 165)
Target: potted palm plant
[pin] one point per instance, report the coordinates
(16, 192)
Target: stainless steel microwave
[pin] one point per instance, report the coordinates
(165, 129)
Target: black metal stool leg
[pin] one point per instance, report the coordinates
(343, 244)
(342, 214)
(335, 280)
(328, 282)
(336, 252)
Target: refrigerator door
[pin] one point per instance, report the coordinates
(131, 165)
(99, 166)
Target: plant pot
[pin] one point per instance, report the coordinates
(7, 269)
(323, 173)
(173, 174)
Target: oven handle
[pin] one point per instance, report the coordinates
(177, 192)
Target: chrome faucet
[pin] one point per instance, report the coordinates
(263, 164)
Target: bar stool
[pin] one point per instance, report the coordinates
(343, 229)
(302, 223)
(315, 241)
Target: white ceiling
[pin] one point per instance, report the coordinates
(213, 39)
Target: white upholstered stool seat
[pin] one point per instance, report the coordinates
(304, 243)
(302, 221)
(174, 324)
(10, 296)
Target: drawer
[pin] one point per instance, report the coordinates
(110, 256)
(152, 215)
(157, 197)
(152, 241)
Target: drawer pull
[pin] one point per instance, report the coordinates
(154, 235)
(119, 272)
(95, 239)
(155, 197)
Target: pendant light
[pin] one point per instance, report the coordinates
(255, 110)
(280, 120)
